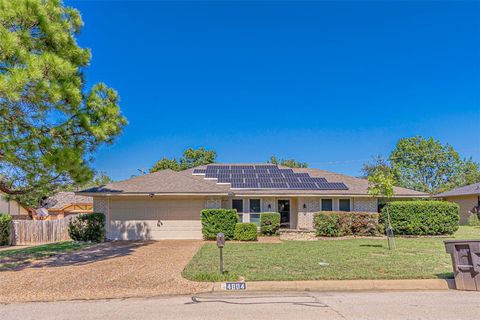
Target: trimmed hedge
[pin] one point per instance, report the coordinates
(337, 224)
(269, 223)
(246, 231)
(5, 226)
(87, 227)
(218, 220)
(422, 217)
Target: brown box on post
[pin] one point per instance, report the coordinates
(466, 263)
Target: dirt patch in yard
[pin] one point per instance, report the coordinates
(108, 270)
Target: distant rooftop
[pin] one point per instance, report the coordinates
(472, 189)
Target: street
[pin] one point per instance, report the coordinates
(304, 305)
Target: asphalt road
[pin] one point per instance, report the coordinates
(306, 305)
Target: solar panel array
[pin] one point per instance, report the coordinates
(266, 177)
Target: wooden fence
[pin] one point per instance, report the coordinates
(31, 232)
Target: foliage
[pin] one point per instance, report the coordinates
(50, 123)
(351, 258)
(291, 163)
(218, 220)
(191, 158)
(335, 224)
(246, 232)
(473, 220)
(422, 217)
(326, 225)
(269, 223)
(87, 227)
(426, 165)
(380, 183)
(5, 227)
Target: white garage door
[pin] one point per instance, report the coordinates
(151, 219)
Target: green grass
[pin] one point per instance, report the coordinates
(14, 257)
(414, 258)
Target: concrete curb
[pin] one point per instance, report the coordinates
(346, 285)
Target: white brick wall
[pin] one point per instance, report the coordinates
(100, 205)
(365, 204)
(271, 202)
(305, 215)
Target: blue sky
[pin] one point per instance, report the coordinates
(328, 83)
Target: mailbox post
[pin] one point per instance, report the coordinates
(220, 245)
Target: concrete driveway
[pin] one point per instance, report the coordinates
(107, 270)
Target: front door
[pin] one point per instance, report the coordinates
(284, 209)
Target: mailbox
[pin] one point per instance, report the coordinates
(220, 240)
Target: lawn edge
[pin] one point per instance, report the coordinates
(346, 285)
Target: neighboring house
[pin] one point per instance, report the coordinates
(167, 204)
(63, 204)
(467, 197)
(11, 207)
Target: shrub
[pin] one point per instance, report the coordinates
(326, 224)
(87, 227)
(218, 220)
(5, 226)
(246, 231)
(269, 223)
(422, 217)
(473, 220)
(335, 224)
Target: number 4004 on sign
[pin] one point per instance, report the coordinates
(234, 286)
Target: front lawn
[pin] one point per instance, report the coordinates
(414, 258)
(11, 258)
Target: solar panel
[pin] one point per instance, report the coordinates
(267, 177)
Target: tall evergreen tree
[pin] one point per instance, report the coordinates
(50, 124)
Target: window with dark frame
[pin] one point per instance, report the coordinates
(344, 204)
(327, 204)
(237, 204)
(255, 205)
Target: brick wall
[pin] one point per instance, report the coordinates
(365, 204)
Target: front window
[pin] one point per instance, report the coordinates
(255, 218)
(327, 205)
(238, 205)
(344, 204)
(255, 205)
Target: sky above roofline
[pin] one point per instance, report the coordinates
(327, 83)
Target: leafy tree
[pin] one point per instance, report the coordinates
(291, 163)
(166, 163)
(380, 183)
(191, 158)
(426, 165)
(50, 123)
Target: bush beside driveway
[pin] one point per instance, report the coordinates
(107, 270)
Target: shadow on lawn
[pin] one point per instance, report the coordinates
(372, 245)
(98, 252)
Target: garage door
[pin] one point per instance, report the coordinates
(155, 219)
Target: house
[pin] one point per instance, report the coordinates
(167, 204)
(11, 207)
(467, 197)
(63, 204)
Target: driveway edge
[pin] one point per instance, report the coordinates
(347, 285)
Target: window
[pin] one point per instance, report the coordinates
(344, 204)
(254, 205)
(327, 205)
(237, 204)
(255, 218)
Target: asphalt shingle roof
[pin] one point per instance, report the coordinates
(168, 181)
(472, 189)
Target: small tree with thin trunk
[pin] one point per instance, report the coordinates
(380, 183)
